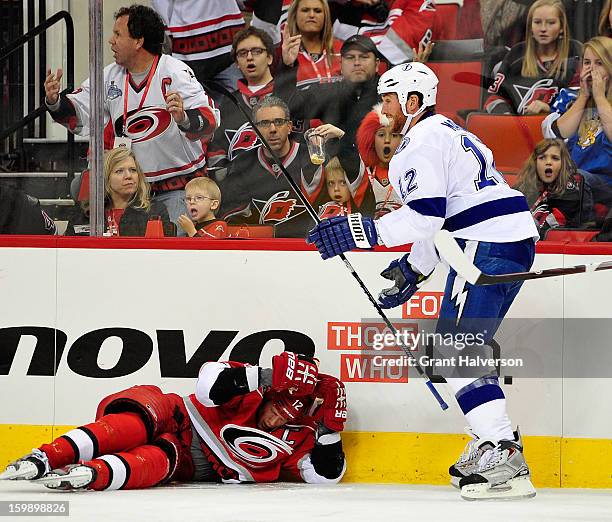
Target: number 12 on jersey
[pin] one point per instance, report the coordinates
(484, 178)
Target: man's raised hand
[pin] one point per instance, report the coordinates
(53, 83)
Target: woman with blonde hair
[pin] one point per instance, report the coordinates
(128, 206)
(308, 38)
(605, 19)
(553, 188)
(534, 71)
(584, 118)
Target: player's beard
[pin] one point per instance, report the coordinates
(398, 121)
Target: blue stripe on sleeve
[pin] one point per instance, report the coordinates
(435, 207)
(484, 211)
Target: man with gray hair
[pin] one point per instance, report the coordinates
(255, 190)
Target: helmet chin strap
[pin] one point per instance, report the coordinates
(410, 117)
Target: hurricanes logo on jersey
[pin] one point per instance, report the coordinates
(144, 124)
(252, 445)
(241, 140)
(278, 209)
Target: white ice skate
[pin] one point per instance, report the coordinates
(29, 467)
(73, 476)
(468, 461)
(502, 473)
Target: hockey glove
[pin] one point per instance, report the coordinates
(293, 373)
(337, 235)
(407, 282)
(333, 393)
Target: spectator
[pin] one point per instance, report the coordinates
(153, 103)
(253, 52)
(533, 71)
(339, 201)
(553, 188)
(143, 437)
(308, 39)
(21, 214)
(605, 19)
(201, 33)
(127, 204)
(377, 143)
(398, 27)
(255, 190)
(203, 198)
(584, 119)
(342, 104)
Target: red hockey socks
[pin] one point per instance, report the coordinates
(140, 467)
(109, 434)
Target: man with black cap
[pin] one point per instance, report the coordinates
(344, 103)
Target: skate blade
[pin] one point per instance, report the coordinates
(454, 481)
(21, 473)
(514, 489)
(73, 480)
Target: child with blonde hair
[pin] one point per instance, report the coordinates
(203, 198)
(341, 201)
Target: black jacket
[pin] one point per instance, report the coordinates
(343, 104)
(21, 214)
(133, 222)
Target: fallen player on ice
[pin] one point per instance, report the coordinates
(243, 424)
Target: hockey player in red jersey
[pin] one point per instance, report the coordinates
(243, 424)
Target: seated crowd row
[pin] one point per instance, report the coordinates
(206, 166)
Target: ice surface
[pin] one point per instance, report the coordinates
(304, 502)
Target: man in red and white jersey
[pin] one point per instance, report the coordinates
(397, 27)
(152, 103)
(202, 31)
(243, 424)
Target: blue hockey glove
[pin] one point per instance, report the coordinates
(407, 282)
(340, 234)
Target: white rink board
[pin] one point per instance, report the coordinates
(194, 292)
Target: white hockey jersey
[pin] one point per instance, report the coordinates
(162, 149)
(446, 178)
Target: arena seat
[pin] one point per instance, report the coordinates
(446, 20)
(570, 235)
(511, 138)
(250, 231)
(459, 67)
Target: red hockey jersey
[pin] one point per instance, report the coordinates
(237, 449)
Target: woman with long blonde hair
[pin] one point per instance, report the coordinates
(534, 71)
(584, 118)
(308, 39)
(128, 206)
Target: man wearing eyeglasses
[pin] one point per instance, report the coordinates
(253, 53)
(255, 190)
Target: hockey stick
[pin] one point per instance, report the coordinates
(221, 90)
(456, 258)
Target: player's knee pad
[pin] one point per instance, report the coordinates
(161, 412)
(179, 454)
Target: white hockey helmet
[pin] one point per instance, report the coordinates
(410, 77)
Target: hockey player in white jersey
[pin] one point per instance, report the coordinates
(446, 178)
